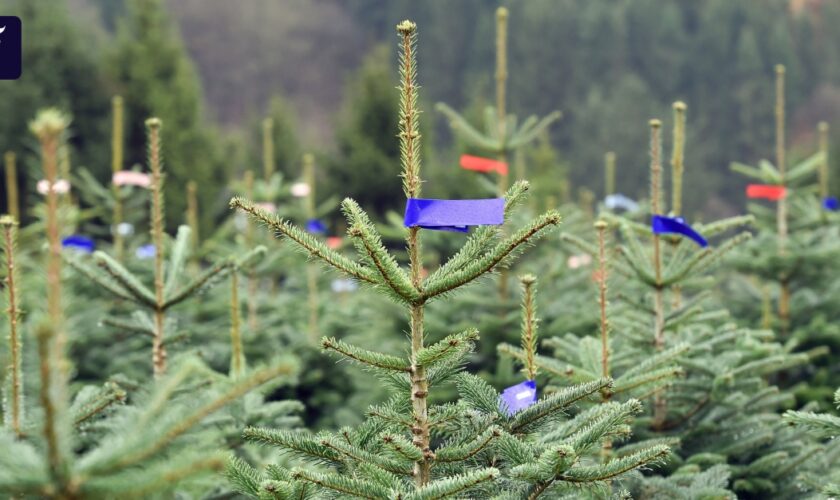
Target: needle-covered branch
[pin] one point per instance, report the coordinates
(369, 244)
(446, 488)
(453, 346)
(306, 242)
(125, 278)
(549, 406)
(479, 240)
(497, 256)
(365, 357)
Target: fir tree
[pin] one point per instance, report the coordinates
(169, 287)
(61, 70)
(482, 446)
(794, 253)
(155, 77)
(722, 391)
(88, 445)
(823, 426)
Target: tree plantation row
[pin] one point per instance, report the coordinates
(499, 347)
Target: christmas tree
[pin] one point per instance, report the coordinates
(409, 447)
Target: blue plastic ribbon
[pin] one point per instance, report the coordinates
(453, 215)
(518, 397)
(315, 226)
(831, 203)
(79, 243)
(145, 251)
(676, 225)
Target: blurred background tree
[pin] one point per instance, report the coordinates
(151, 70)
(598, 62)
(63, 71)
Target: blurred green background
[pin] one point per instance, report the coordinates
(212, 69)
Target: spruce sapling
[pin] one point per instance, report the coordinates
(408, 448)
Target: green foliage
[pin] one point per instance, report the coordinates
(61, 71)
(150, 69)
(470, 432)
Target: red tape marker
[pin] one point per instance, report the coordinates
(766, 191)
(480, 164)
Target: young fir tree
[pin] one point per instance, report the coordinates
(170, 286)
(722, 410)
(794, 255)
(409, 448)
(502, 135)
(155, 77)
(86, 444)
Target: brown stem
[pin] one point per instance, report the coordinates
(609, 173)
(268, 148)
(192, 213)
(50, 149)
(529, 326)
(236, 356)
(660, 408)
(15, 341)
(655, 196)
(54, 368)
(606, 394)
(158, 347)
(781, 213)
(12, 202)
(677, 158)
(601, 226)
(50, 405)
(822, 130)
(409, 138)
(501, 90)
(116, 166)
(419, 393)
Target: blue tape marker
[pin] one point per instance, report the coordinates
(145, 251)
(79, 243)
(315, 226)
(454, 215)
(831, 203)
(518, 397)
(676, 225)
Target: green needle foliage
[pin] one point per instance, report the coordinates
(407, 447)
(169, 288)
(823, 426)
(85, 442)
(788, 271)
(720, 413)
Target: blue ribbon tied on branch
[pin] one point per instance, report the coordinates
(79, 243)
(676, 225)
(830, 203)
(316, 226)
(518, 397)
(454, 215)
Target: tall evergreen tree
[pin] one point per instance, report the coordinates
(280, 122)
(152, 72)
(59, 69)
(409, 447)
